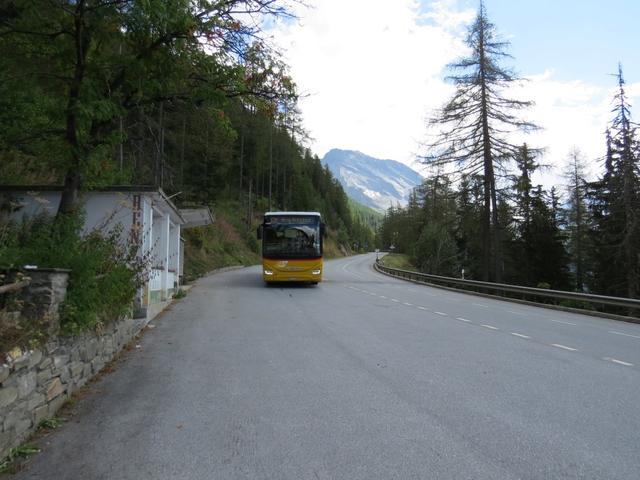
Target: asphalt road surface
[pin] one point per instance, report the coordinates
(362, 377)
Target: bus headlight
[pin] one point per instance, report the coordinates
(316, 272)
(268, 272)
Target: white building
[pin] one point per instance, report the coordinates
(146, 215)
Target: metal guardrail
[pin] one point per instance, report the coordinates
(500, 288)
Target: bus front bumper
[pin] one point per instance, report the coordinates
(292, 271)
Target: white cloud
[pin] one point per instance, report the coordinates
(572, 114)
(373, 70)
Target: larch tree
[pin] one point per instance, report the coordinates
(473, 127)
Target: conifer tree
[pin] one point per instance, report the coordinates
(577, 216)
(468, 229)
(475, 124)
(615, 204)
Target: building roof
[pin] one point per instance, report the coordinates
(317, 214)
(196, 217)
(55, 188)
(157, 193)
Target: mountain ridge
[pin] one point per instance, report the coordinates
(376, 183)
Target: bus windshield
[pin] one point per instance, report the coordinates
(292, 239)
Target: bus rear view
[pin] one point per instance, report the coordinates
(291, 247)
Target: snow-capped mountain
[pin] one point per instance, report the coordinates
(371, 181)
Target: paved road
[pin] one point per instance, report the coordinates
(361, 377)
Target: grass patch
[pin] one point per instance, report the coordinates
(226, 243)
(50, 423)
(23, 451)
(397, 260)
(180, 293)
(331, 246)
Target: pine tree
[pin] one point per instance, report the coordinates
(474, 127)
(615, 205)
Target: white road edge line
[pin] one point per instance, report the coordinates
(481, 305)
(619, 362)
(623, 334)
(564, 347)
(516, 313)
(520, 335)
(491, 327)
(564, 323)
(463, 319)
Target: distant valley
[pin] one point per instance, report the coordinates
(370, 181)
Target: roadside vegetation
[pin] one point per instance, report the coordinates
(480, 210)
(106, 273)
(397, 260)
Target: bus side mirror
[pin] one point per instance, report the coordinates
(322, 230)
(259, 232)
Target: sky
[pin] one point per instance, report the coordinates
(371, 72)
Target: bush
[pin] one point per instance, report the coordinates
(105, 272)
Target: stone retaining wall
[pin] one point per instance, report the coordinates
(34, 384)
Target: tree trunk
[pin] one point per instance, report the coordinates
(241, 156)
(270, 162)
(489, 181)
(73, 181)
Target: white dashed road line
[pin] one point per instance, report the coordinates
(623, 334)
(563, 323)
(619, 362)
(515, 334)
(564, 347)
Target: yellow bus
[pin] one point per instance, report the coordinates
(291, 247)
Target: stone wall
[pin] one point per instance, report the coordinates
(34, 384)
(39, 302)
